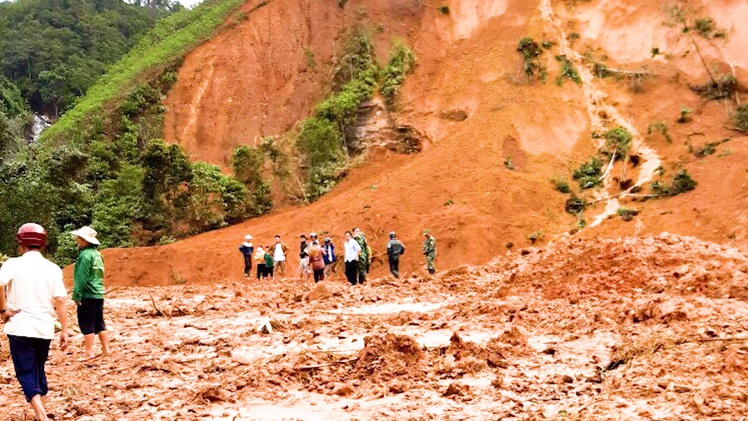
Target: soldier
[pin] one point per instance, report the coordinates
(363, 258)
(395, 249)
(429, 250)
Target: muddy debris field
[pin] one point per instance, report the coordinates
(642, 328)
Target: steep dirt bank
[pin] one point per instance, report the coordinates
(469, 96)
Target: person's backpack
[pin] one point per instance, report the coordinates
(397, 248)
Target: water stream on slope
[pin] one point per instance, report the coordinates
(596, 106)
(38, 125)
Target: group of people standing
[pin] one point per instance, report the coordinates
(33, 295)
(320, 260)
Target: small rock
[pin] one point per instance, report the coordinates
(453, 390)
(549, 351)
(597, 378)
(342, 389)
(397, 387)
(319, 293)
(567, 379)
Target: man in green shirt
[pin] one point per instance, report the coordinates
(88, 292)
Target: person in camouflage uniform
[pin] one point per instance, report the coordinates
(429, 250)
(363, 258)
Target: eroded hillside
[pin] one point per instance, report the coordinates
(494, 136)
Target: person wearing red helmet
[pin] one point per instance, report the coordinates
(35, 294)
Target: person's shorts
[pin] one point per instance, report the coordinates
(269, 271)
(304, 265)
(91, 316)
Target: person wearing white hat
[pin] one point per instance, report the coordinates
(88, 292)
(247, 248)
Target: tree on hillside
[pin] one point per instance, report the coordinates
(53, 50)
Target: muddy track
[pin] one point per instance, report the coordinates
(652, 328)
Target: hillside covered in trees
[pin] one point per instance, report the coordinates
(53, 50)
(104, 163)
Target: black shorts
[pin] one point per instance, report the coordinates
(91, 316)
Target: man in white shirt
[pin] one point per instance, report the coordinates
(35, 294)
(279, 256)
(352, 252)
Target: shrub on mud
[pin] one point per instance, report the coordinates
(402, 61)
(719, 88)
(740, 118)
(561, 185)
(531, 51)
(682, 182)
(588, 174)
(627, 214)
(618, 139)
(575, 205)
(659, 127)
(568, 71)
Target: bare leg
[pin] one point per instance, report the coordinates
(38, 405)
(88, 345)
(104, 338)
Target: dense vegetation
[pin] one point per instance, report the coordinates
(325, 139)
(109, 168)
(54, 50)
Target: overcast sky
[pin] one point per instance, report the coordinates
(190, 3)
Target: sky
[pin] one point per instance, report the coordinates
(190, 3)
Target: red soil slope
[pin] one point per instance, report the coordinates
(253, 80)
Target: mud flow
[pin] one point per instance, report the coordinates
(642, 328)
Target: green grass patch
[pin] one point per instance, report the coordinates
(166, 43)
(568, 71)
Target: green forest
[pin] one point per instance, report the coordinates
(105, 67)
(53, 50)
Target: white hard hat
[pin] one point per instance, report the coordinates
(248, 237)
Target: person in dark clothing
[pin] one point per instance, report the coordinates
(269, 265)
(395, 249)
(247, 248)
(331, 261)
(303, 258)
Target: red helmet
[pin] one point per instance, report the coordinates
(32, 235)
